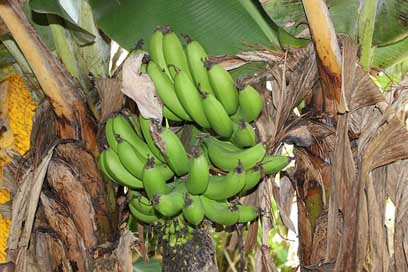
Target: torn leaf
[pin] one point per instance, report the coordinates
(140, 88)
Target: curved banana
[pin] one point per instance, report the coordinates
(250, 103)
(141, 203)
(197, 181)
(190, 98)
(110, 135)
(244, 135)
(144, 218)
(169, 204)
(193, 210)
(135, 124)
(118, 172)
(135, 163)
(167, 113)
(124, 129)
(247, 213)
(196, 57)
(102, 167)
(174, 53)
(173, 150)
(145, 125)
(222, 157)
(274, 164)
(220, 212)
(165, 89)
(156, 51)
(223, 187)
(131, 158)
(252, 178)
(217, 116)
(154, 182)
(223, 86)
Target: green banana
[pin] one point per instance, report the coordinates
(174, 53)
(190, 98)
(141, 203)
(224, 145)
(197, 181)
(102, 167)
(217, 116)
(131, 158)
(274, 164)
(110, 135)
(172, 227)
(124, 129)
(135, 124)
(220, 212)
(118, 172)
(174, 151)
(244, 135)
(223, 86)
(170, 115)
(247, 213)
(169, 204)
(223, 157)
(172, 241)
(196, 56)
(153, 180)
(223, 187)
(250, 103)
(193, 210)
(165, 89)
(135, 163)
(144, 218)
(145, 125)
(252, 178)
(156, 51)
(132, 223)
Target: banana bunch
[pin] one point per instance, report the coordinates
(167, 184)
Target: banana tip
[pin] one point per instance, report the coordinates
(187, 38)
(139, 44)
(208, 64)
(150, 163)
(146, 59)
(239, 169)
(239, 85)
(196, 152)
(166, 29)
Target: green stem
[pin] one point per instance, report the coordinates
(366, 31)
(62, 45)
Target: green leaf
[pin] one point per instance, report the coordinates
(392, 54)
(223, 27)
(53, 7)
(248, 70)
(153, 265)
(40, 23)
(390, 21)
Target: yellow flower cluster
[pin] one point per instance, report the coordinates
(17, 108)
(4, 226)
(21, 108)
